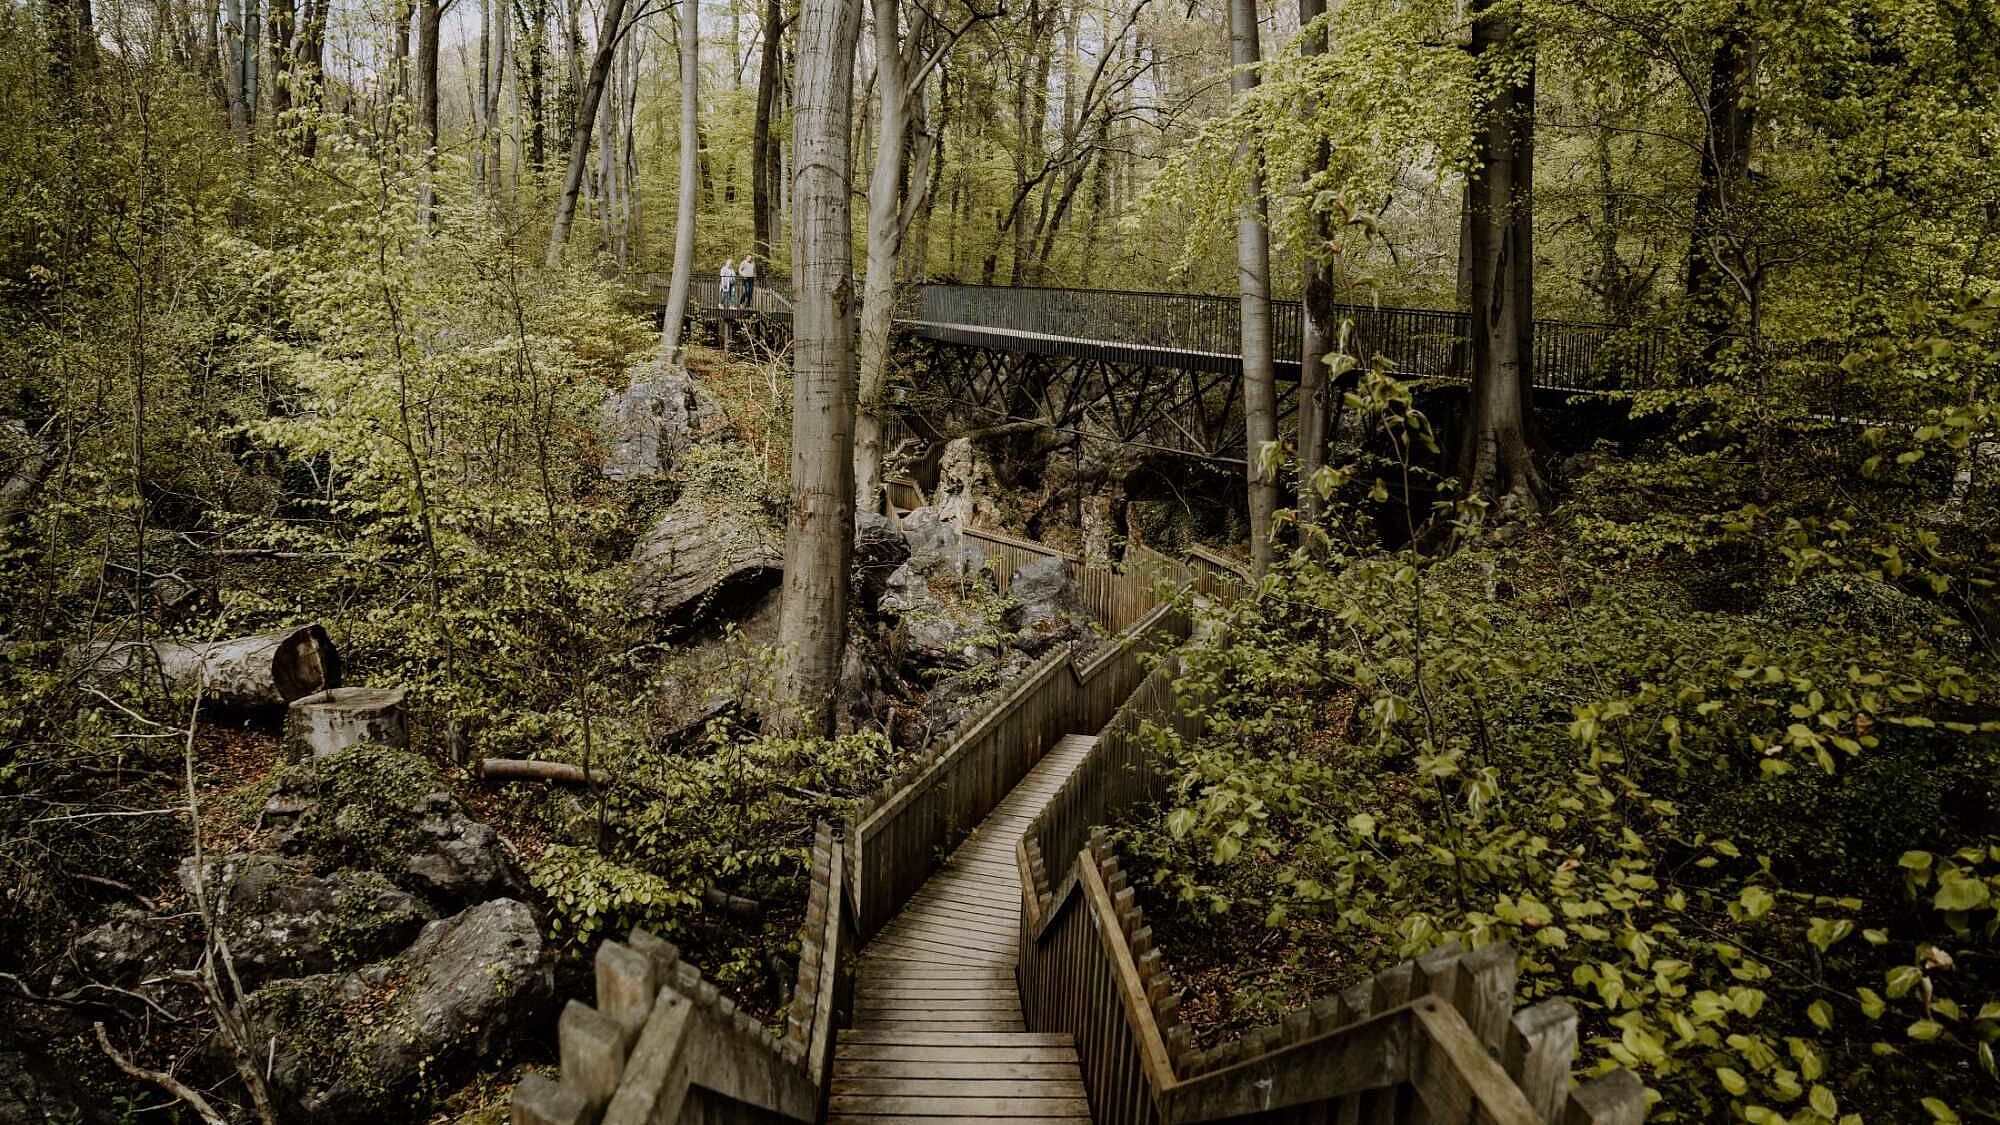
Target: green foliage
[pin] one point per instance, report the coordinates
(1680, 818)
(590, 897)
(366, 806)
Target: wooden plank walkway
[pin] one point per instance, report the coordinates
(937, 1030)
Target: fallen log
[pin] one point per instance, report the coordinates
(25, 462)
(269, 669)
(524, 769)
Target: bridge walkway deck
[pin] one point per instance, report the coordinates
(937, 1035)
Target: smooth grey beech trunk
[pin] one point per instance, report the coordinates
(1319, 332)
(812, 626)
(675, 321)
(885, 243)
(586, 120)
(1253, 278)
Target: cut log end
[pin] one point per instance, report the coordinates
(305, 662)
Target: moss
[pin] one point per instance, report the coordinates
(363, 806)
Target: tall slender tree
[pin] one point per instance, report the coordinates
(585, 120)
(1319, 334)
(429, 19)
(812, 628)
(763, 151)
(1253, 281)
(677, 294)
(1729, 117)
(1497, 461)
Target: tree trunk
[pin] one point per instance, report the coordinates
(1319, 331)
(537, 18)
(762, 165)
(885, 242)
(428, 19)
(233, 51)
(1729, 119)
(677, 295)
(309, 67)
(1253, 277)
(279, 29)
(586, 120)
(812, 628)
(265, 670)
(1497, 460)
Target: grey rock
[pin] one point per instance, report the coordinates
(651, 422)
(879, 551)
(368, 1045)
(936, 545)
(931, 635)
(701, 551)
(129, 948)
(281, 920)
(1047, 607)
(459, 860)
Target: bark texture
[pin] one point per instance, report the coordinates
(1319, 333)
(1253, 278)
(677, 294)
(812, 628)
(327, 722)
(1497, 460)
(268, 669)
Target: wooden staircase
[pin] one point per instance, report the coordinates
(937, 1031)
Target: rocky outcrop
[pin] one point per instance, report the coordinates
(651, 422)
(358, 1046)
(280, 920)
(701, 551)
(967, 484)
(879, 551)
(933, 634)
(1047, 606)
(936, 544)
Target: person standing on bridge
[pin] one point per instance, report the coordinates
(728, 297)
(746, 277)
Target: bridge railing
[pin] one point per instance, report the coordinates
(1418, 343)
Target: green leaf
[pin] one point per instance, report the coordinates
(1957, 892)
(1821, 1014)
(1940, 1112)
(1923, 1031)
(1732, 1081)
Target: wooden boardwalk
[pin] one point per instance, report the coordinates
(937, 1030)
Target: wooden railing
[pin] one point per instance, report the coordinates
(902, 833)
(1431, 1040)
(662, 1045)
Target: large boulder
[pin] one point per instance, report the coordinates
(967, 484)
(363, 1046)
(933, 633)
(281, 920)
(879, 551)
(651, 422)
(378, 809)
(1047, 606)
(702, 551)
(936, 544)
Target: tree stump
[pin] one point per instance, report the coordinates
(330, 721)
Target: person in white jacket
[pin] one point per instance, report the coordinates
(728, 298)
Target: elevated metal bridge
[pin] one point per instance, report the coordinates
(1165, 370)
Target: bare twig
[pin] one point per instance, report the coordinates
(161, 1079)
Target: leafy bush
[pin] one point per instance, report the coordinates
(1688, 823)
